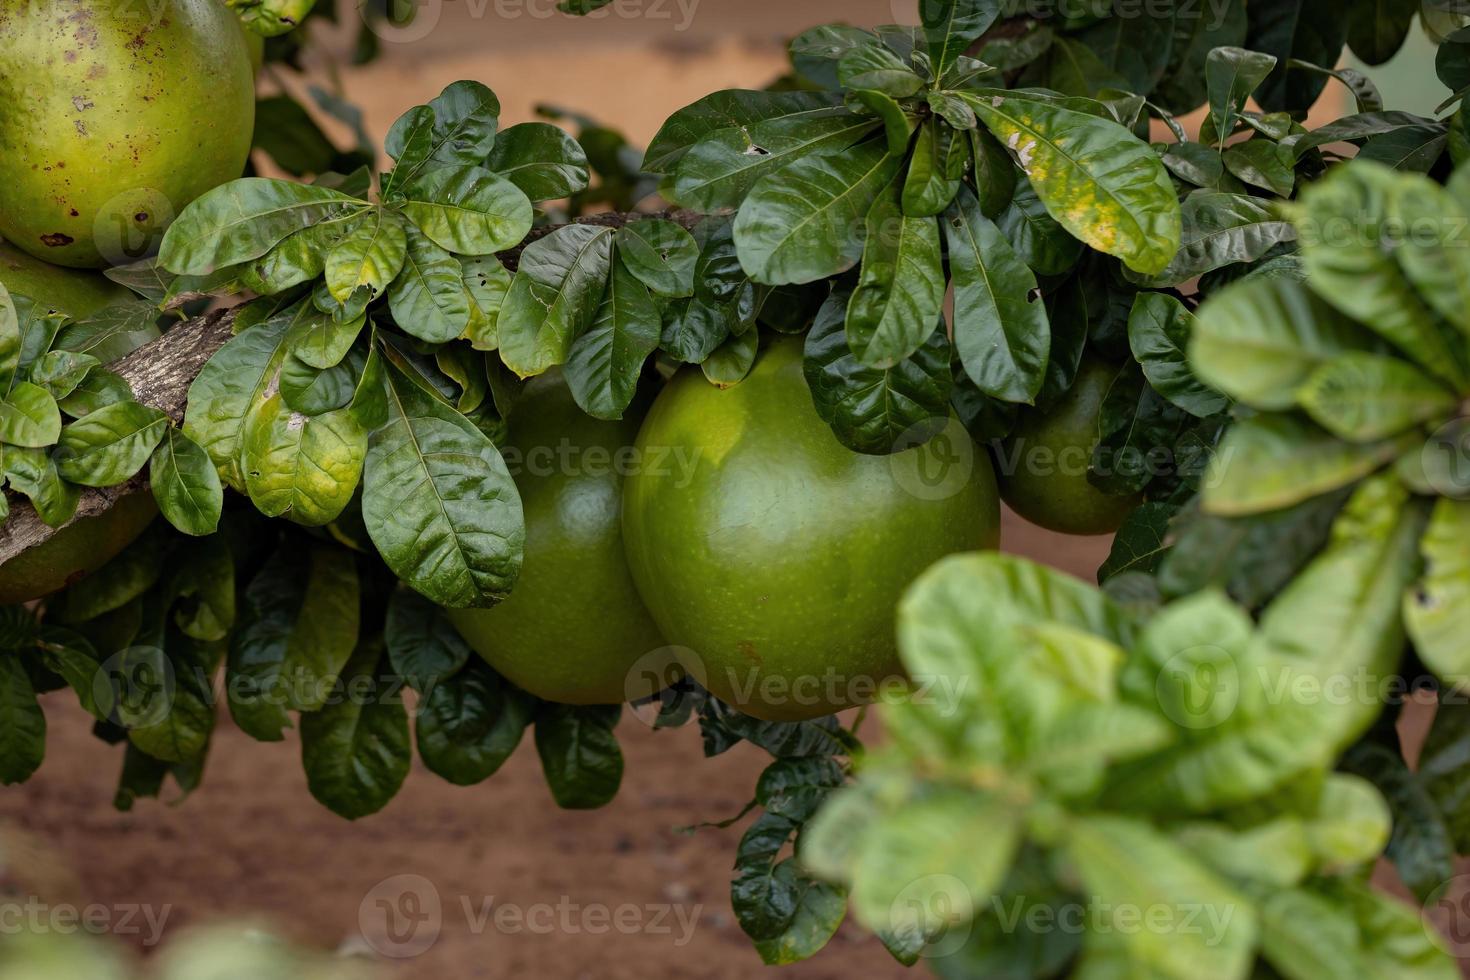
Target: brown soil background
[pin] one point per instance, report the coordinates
(251, 844)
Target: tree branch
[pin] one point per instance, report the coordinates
(162, 371)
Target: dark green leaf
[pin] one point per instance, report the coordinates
(225, 390)
(439, 503)
(661, 254)
(900, 294)
(429, 299)
(111, 333)
(951, 26)
(1001, 331)
(186, 484)
(423, 647)
(245, 219)
(579, 754)
(468, 210)
(470, 723)
(605, 363)
(356, 749)
(554, 297)
(875, 410)
(720, 170)
(1159, 329)
(109, 445)
(804, 222)
(1231, 75)
(541, 159)
(22, 725)
(731, 109)
(1140, 543)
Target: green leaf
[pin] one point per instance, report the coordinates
(173, 724)
(1042, 243)
(370, 256)
(554, 297)
(486, 282)
(1231, 75)
(875, 67)
(245, 219)
(1259, 340)
(541, 159)
(320, 341)
(356, 749)
(1104, 185)
(59, 372)
(1220, 230)
(301, 467)
(439, 503)
(186, 484)
(951, 26)
(1001, 332)
(109, 445)
(1362, 397)
(29, 417)
(1272, 461)
(9, 338)
(898, 122)
(468, 210)
(1350, 267)
(1437, 609)
(1262, 163)
(804, 222)
(423, 646)
(1136, 867)
(815, 53)
(900, 294)
(97, 390)
(429, 300)
(873, 410)
(579, 753)
(32, 472)
(1435, 255)
(928, 187)
(470, 723)
(661, 254)
(1306, 30)
(1140, 545)
(1420, 849)
(22, 725)
(729, 363)
(1378, 28)
(912, 860)
(730, 109)
(605, 363)
(300, 257)
(110, 333)
(720, 170)
(229, 385)
(1159, 329)
(464, 119)
(1252, 557)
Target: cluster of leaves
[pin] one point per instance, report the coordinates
(1078, 754)
(291, 627)
(358, 364)
(1363, 367)
(67, 422)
